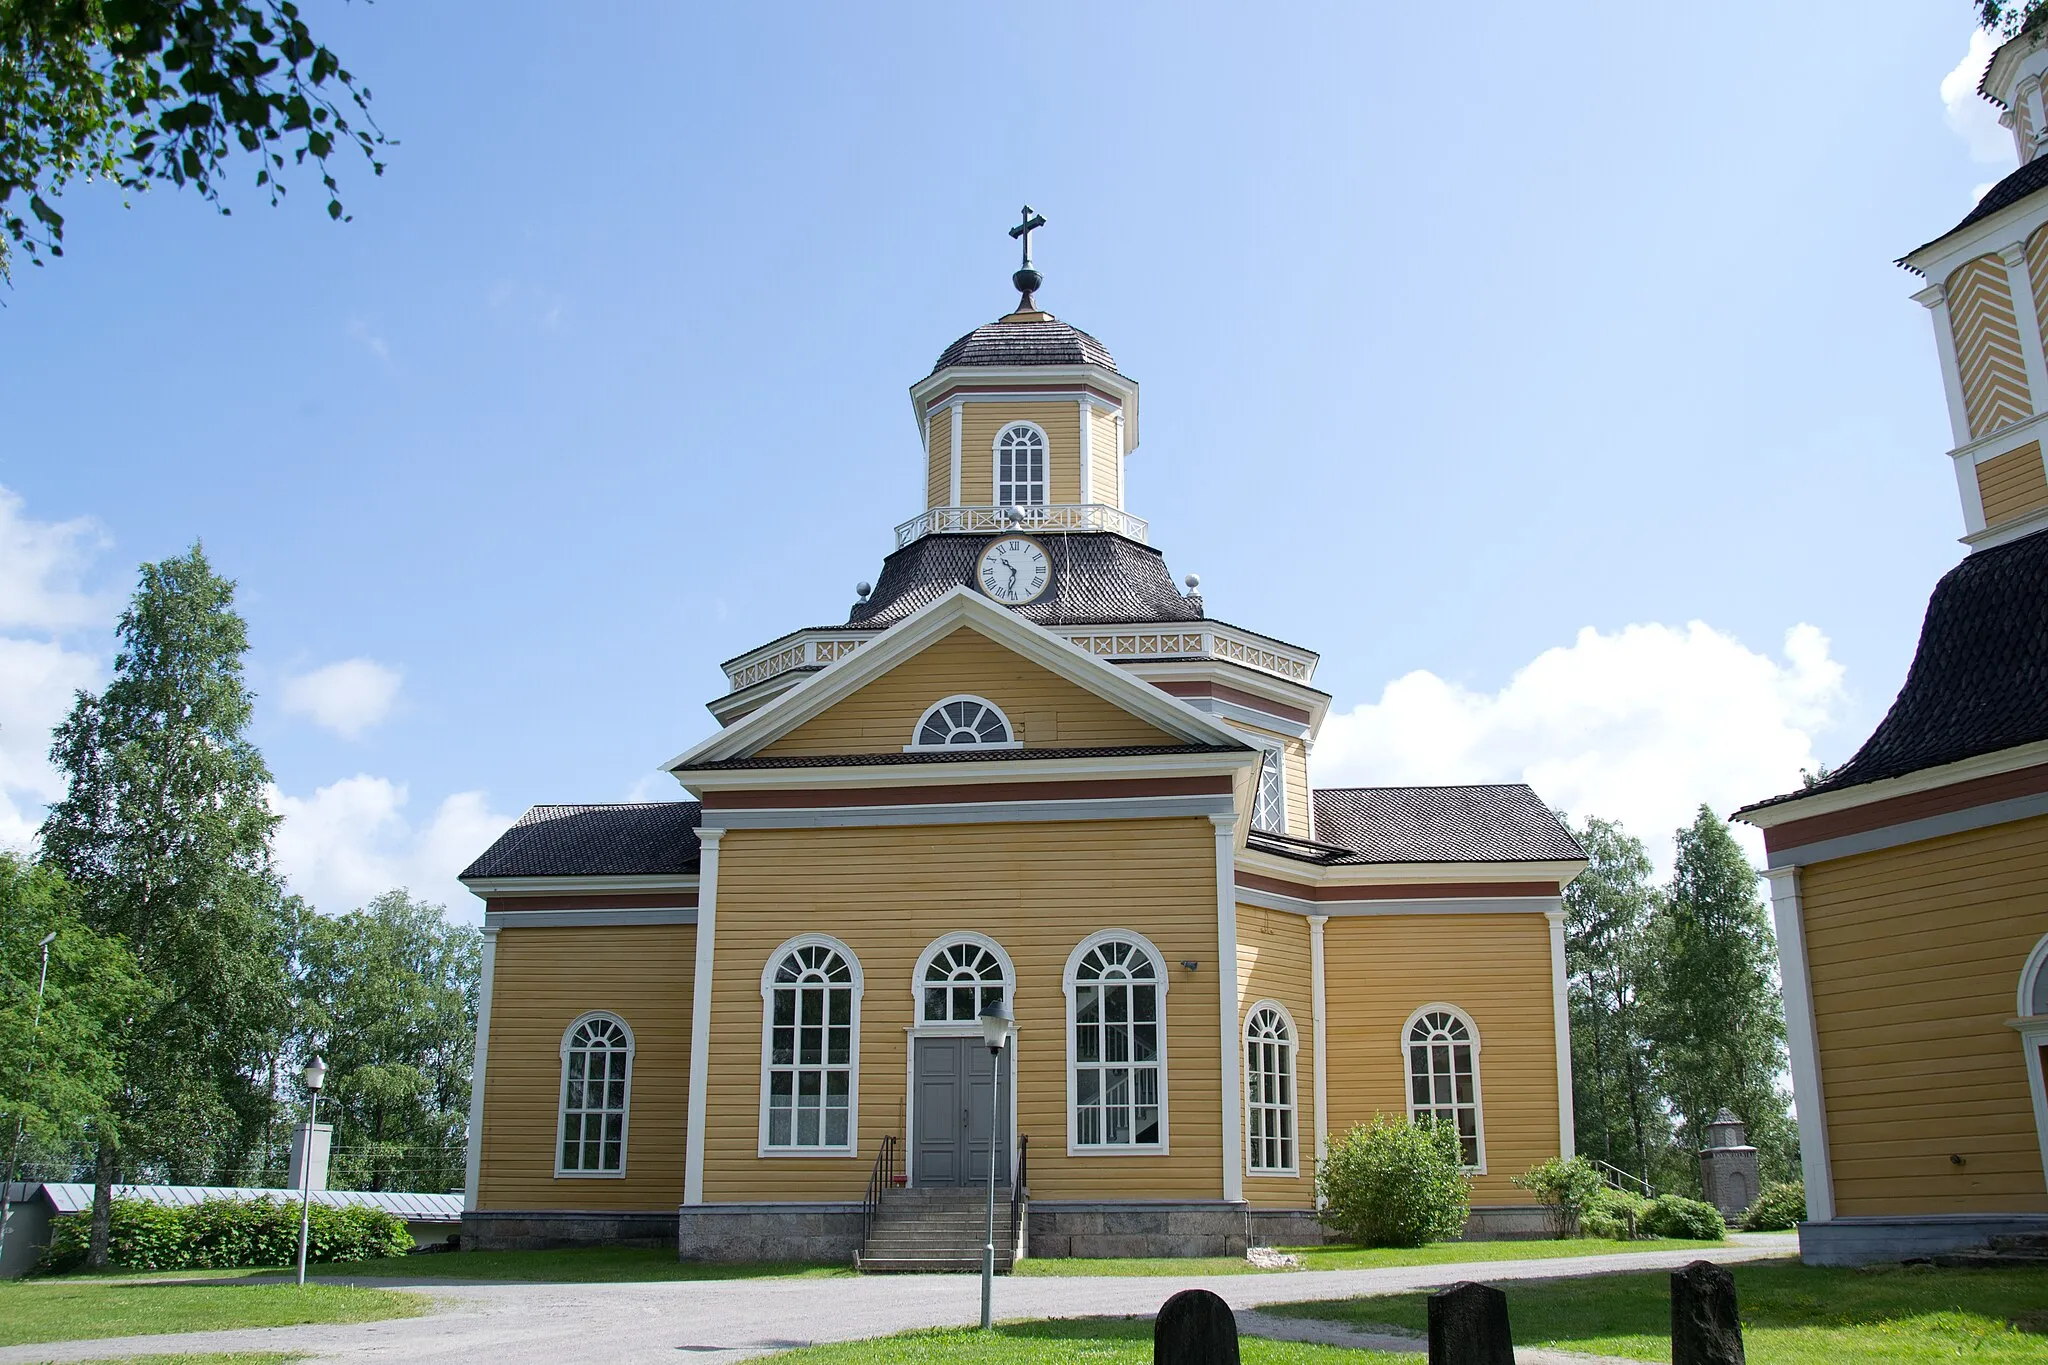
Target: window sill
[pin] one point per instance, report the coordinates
(1271, 1175)
(591, 1175)
(1076, 1149)
(829, 1153)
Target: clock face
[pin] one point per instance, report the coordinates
(1015, 569)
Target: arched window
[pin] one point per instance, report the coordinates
(2033, 1029)
(1269, 800)
(1269, 1090)
(2034, 983)
(1116, 1044)
(597, 1086)
(810, 1047)
(1020, 466)
(961, 720)
(958, 977)
(1443, 1076)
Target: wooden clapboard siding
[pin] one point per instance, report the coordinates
(1496, 968)
(2012, 484)
(1989, 360)
(1037, 889)
(545, 979)
(1914, 954)
(1102, 456)
(1060, 418)
(1049, 710)
(1273, 964)
(938, 482)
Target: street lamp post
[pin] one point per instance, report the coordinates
(14, 1152)
(315, 1076)
(995, 1031)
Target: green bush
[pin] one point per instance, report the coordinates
(1780, 1205)
(1616, 1215)
(1394, 1184)
(220, 1234)
(1567, 1186)
(1673, 1215)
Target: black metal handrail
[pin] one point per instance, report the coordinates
(1018, 1191)
(883, 1176)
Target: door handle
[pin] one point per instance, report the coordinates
(963, 1116)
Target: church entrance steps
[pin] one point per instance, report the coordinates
(942, 1230)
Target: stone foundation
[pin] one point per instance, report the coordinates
(1868, 1241)
(1138, 1228)
(767, 1232)
(1487, 1223)
(543, 1230)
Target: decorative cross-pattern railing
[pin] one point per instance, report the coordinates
(1083, 516)
(806, 651)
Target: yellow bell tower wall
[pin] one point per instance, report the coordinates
(1059, 418)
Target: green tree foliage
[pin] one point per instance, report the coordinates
(1716, 1022)
(164, 835)
(2007, 18)
(1673, 1215)
(1567, 1187)
(1779, 1206)
(141, 92)
(1394, 1183)
(223, 1234)
(390, 996)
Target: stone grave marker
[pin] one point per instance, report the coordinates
(1705, 1328)
(1468, 1325)
(1194, 1327)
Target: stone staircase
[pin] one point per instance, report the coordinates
(937, 1231)
(2017, 1249)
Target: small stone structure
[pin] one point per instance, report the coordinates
(1705, 1327)
(1728, 1170)
(1468, 1325)
(1194, 1327)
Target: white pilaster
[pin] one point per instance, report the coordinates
(953, 497)
(1561, 1029)
(700, 1003)
(1087, 450)
(1803, 1043)
(2020, 281)
(473, 1159)
(1318, 1005)
(1123, 498)
(1226, 995)
(1935, 299)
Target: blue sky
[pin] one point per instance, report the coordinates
(1543, 373)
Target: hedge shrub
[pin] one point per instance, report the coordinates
(1616, 1215)
(221, 1234)
(1394, 1184)
(1567, 1187)
(1780, 1205)
(1673, 1215)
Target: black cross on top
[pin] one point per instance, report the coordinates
(1032, 222)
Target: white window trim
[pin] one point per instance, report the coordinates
(924, 960)
(562, 1098)
(1293, 1170)
(2033, 1031)
(1279, 753)
(852, 1144)
(1008, 728)
(995, 465)
(1068, 982)
(1478, 1073)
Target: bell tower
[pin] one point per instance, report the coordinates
(1025, 421)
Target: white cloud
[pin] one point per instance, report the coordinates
(1639, 726)
(351, 840)
(347, 697)
(37, 681)
(1970, 116)
(41, 563)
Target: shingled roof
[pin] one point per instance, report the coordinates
(2009, 191)
(1098, 578)
(1504, 823)
(1979, 680)
(1050, 342)
(642, 839)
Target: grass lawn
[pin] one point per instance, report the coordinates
(578, 1265)
(1067, 1341)
(1348, 1258)
(1791, 1314)
(74, 1309)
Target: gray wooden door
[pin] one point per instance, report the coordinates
(953, 1121)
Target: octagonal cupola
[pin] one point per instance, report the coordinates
(1025, 421)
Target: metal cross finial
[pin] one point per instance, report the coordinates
(1032, 221)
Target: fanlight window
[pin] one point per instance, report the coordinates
(597, 1062)
(960, 981)
(1119, 1081)
(811, 1049)
(1269, 802)
(1269, 1091)
(1443, 1077)
(1020, 467)
(962, 720)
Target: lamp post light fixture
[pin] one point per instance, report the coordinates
(315, 1076)
(995, 1019)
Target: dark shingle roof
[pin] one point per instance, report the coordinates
(963, 754)
(1979, 680)
(1051, 342)
(645, 839)
(1506, 823)
(1098, 578)
(2012, 189)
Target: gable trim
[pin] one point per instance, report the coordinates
(974, 813)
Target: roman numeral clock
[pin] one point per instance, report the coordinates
(1014, 570)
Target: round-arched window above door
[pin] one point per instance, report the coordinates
(958, 977)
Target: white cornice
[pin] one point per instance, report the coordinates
(938, 776)
(2008, 531)
(1242, 678)
(1868, 793)
(1034, 377)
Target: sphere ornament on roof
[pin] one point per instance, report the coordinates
(1028, 336)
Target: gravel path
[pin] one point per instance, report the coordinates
(731, 1320)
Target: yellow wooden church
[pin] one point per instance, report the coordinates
(1027, 768)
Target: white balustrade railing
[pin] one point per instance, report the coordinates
(1081, 516)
